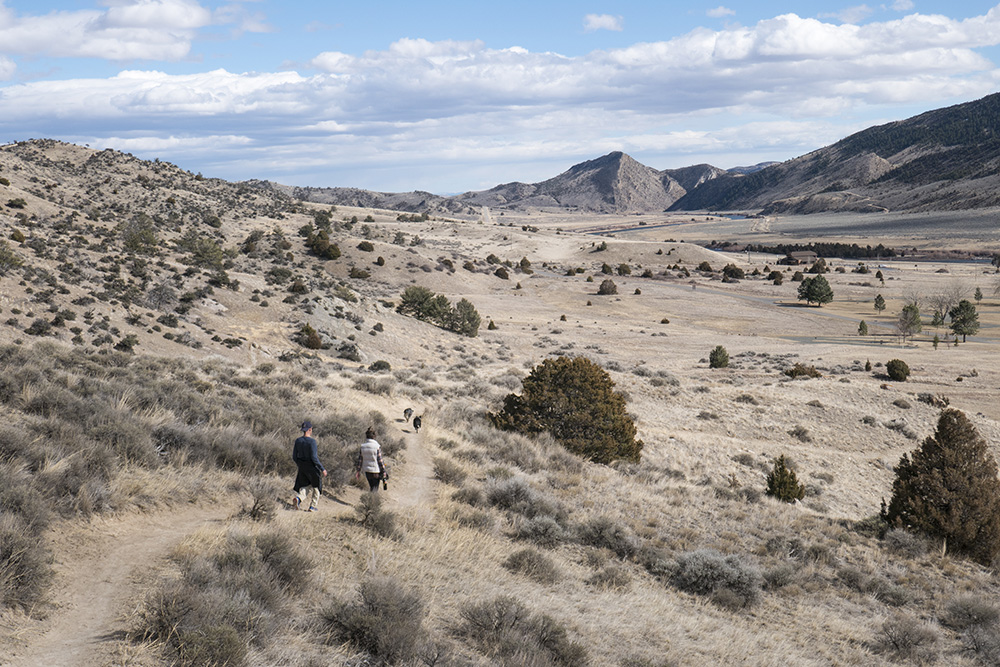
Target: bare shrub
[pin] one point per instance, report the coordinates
(534, 565)
(24, 563)
(967, 611)
(386, 621)
(505, 631)
(262, 504)
(904, 543)
(379, 385)
(449, 472)
(543, 530)
(706, 571)
(905, 638)
(612, 577)
(605, 533)
(372, 516)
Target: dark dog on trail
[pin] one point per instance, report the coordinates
(416, 423)
(407, 413)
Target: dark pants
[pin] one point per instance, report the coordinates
(373, 480)
(308, 475)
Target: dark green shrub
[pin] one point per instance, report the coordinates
(309, 338)
(607, 287)
(533, 564)
(897, 370)
(801, 370)
(948, 489)
(705, 266)
(718, 357)
(386, 621)
(782, 483)
(40, 327)
(380, 366)
(708, 572)
(733, 272)
(506, 632)
(422, 303)
(502, 273)
(574, 400)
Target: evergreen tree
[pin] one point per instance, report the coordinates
(718, 357)
(964, 319)
(863, 328)
(879, 304)
(574, 400)
(948, 489)
(782, 482)
(816, 290)
(978, 296)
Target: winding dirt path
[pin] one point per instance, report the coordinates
(96, 574)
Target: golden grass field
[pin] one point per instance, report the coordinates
(710, 436)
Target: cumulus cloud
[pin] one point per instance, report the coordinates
(124, 30)
(720, 12)
(902, 5)
(593, 22)
(462, 102)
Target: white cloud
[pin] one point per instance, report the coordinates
(902, 5)
(419, 102)
(7, 68)
(720, 12)
(855, 14)
(593, 22)
(125, 30)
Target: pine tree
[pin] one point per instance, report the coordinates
(879, 304)
(574, 400)
(782, 482)
(948, 489)
(863, 328)
(964, 319)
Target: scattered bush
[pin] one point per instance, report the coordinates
(449, 472)
(897, 370)
(386, 621)
(905, 638)
(505, 631)
(533, 564)
(783, 484)
(425, 305)
(574, 400)
(801, 370)
(969, 611)
(605, 533)
(718, 357)
(727, 579)
(372, 516)
(24, 561)
(607, 287)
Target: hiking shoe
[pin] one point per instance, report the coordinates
(313, 508)
(295, 502)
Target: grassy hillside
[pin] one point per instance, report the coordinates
(156, 402)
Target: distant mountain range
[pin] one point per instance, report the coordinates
(946, 159)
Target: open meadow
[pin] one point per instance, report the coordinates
(162, 473)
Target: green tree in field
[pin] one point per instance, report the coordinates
(863, 328)
(978, 296)
(948, 489)
(815, 290)
(879, 304)
(783, 484)
(964, 319)
(574, 400)
(423, 304)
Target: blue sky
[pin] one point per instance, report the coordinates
(449, 97)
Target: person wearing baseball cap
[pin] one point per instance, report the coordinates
(309, 480)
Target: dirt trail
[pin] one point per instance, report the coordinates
(100, 566)
(96, 576)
